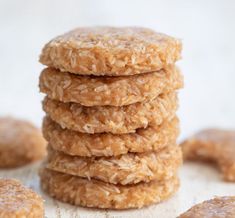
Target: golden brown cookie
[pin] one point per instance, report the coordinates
(219, 207)
(125, 169)
(20, 143)
(106, 144)
(94, 193)
(111, 51)
(116, 120)
(113, 91)
(214, 145)
(17, 201)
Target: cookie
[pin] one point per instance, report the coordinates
(106, 144)
(94, 193)
(113, 91)
(111, 51)
(20, 143)
(219, 207)
(214, 145)
(19, 201)
(125, 169)
(116, 120)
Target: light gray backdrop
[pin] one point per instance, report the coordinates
(207, 29)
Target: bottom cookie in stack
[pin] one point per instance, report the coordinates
(94, 193)
(124, 169)
(125, 181)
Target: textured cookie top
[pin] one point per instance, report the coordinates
(111, 51)
(219, 207)
(19, 201)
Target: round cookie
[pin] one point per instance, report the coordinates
(19, 201)
(116, 120)
(20, 143)
(126, 169)
(113, 91)
(214, 145)
(153, 138)
(94, 193)
(111, 51)
(219, 207)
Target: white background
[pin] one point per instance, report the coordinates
(207, 28)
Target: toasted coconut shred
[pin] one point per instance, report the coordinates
(111, 124)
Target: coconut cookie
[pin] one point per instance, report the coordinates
(94, 193)
(219, 207)
(116, 120)
(20, 143)
(113, 91)
(125, 169)
(153, 138)
(111, 51)
(215, 145)
(19, 201)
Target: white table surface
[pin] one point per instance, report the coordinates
(198, 182)
(207, 29)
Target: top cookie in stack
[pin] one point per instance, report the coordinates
(111, 103)
(109, 51)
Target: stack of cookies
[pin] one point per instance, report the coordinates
(110, 117)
